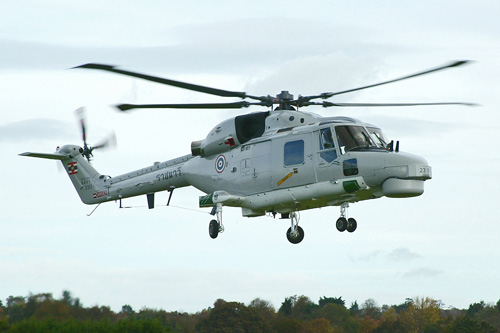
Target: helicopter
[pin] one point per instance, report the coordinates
(279, 161)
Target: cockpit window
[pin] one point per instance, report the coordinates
(378, 137)
(350, 137)
(326, 145)
(326, 138)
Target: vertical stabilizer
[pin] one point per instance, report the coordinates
(92, 187)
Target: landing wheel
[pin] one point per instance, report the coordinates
(213, 229)
(296, 237)
(342, 224)
(351, 224)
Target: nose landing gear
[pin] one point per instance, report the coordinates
(343, 223)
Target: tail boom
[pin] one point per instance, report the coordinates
(94, 188)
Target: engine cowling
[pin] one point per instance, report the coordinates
(230, 134)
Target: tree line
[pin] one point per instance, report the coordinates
(44, 313)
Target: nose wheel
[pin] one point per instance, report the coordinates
(343, 223)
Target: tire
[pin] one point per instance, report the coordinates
(213, 229)
(297, 239)
(341, 224)
(351, 225)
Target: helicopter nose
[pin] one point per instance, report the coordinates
(405, 175)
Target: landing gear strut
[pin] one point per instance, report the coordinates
(344, 223)
(215, 227)
(295, 234)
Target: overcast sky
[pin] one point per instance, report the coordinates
(443, 244)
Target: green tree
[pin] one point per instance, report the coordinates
(68, 299)
(303, 308)
(284, 324)
(99, 313)
(403, 306)
(391, 322)
(15, 308)
(339, 317)
(127, 309)
(264, 309)
(423, 314)
(331, 300)
(318, 325)
(52, 309)
(233, 317)
(475, 308)
(370, 308)
(489, 315)
(466, 324)
(287, 305)
(354, 309)
(152, 314)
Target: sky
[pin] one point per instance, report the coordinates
(443, 244)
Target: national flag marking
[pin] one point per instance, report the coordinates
(72, 168)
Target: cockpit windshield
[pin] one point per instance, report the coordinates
(351, 137)
(378, 137)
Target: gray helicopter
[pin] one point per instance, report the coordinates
(279, 161)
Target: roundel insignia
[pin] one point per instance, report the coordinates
(220, 163)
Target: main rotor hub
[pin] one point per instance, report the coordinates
(284, 99)
(285, 96)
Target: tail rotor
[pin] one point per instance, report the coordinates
(87, 152)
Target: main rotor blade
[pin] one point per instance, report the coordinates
(328, 95)
(236, 105)
(328, 104)
(179, 84)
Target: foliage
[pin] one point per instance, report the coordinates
(467, 325)
(331, 300)
(233, 317)
(44, 313)
(423, 314)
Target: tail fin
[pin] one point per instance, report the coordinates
(91, 186)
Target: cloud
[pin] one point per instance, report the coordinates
(36, 129)
(422, 272)
(402, 254)
(368, 257)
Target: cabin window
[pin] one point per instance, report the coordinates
(326, 145)
(351, 167)
(294, 153)
(350, 137)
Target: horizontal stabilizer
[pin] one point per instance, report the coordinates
(55, 156)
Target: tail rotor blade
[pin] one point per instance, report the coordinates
(109, 142)
(80, 114)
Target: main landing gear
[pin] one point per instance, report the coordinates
(295, 234)
(344, 223)
(215, 226)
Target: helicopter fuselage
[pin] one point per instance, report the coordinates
(294, 161)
